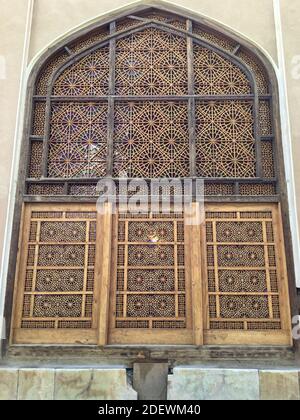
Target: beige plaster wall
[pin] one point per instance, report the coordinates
(12, 32)
(290, 12)
(254, 18)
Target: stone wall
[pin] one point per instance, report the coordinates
(65, 384)
(186, 383)
(233, 384)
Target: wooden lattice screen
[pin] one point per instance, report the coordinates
(152, 95)
(149, 289)
(246, 275)
(55, 300)
(157, 279)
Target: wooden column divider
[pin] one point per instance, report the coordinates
(103, 269)
(194, 242)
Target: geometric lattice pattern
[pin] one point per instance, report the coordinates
(59, 283)
(225, 141)
(150, 285)
(78, 143)
(258, 72)
(214, 75)
(267, 155)
(265, 118)
(242, 271)
(151, 139)
(48, 70)
(88, 77)
(36, 158)
(151, 62)
(144, 124)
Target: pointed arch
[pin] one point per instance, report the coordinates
(201, 41)
(231, 139)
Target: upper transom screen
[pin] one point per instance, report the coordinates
(152, 62)
(151, 101)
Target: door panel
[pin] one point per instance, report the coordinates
(151, 289)
(246, 283)
(55, 288)
(88, 278)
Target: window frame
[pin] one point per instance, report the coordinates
(281, 195)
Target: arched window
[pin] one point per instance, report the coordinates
(157, 99)
(154, 95)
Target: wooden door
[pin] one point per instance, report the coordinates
(88, 278)
(245, 276)
(56, 288)
(151, 280)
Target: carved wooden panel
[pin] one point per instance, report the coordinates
(225, 143)
(150, 291)
(151, 62)
(151, 139)
(55, 283)
(78, 140)
(151, 278)
(90, 130)
(246, 275)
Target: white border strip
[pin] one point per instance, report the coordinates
(15, 163)
(287, 139)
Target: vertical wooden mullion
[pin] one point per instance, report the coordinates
(104, 236)
(204, 271)
(281, 270)
(191, 101)
(66, 188)
(194, 243)
(111, 101)
(21, 267)
(114, 273)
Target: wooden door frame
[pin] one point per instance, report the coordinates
(282, 337)
(107, 276)
(46, 336)
(195, 266)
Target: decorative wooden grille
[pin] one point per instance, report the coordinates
(151, 62)
(56, 289)
(150, 292)
(244, 270)
(151, 140)
(225, 140)
(153, 95)
(142, 278)
(78, 145)
(214, 75)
